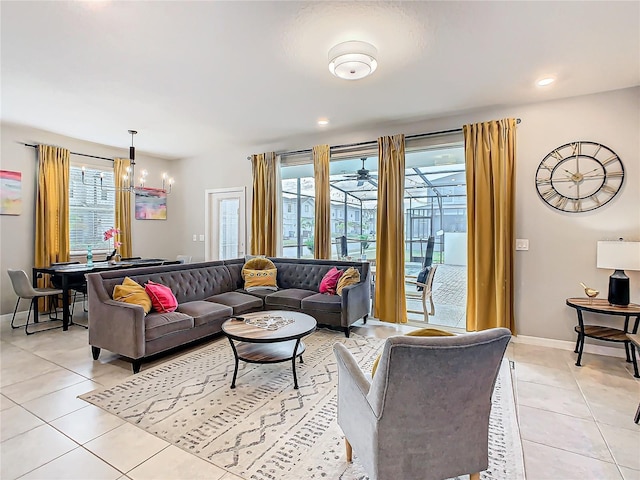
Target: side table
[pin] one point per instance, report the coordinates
(635, 343)
(608, 334)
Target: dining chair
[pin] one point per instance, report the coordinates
(183, 258)
(23, 289)
(77, 283)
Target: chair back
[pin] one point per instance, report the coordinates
(433, 395)
(183, 258)
(428, 257)
(341, 243)
(21, 284)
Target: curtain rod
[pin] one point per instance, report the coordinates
(373, 142)
(75, 153)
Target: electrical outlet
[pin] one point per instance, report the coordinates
(522, 244)
(202, 238)
(195, 237)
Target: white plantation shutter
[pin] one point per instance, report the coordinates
(91, 209)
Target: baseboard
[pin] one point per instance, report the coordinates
(566, 345)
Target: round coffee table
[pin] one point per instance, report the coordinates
(257, 344)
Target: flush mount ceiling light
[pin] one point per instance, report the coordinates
(353, 60)
(323, 121)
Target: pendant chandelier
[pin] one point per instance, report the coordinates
(129, 178)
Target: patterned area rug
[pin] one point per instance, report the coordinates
(266, 430)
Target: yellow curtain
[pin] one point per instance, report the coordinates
(390, 300)
(123, 206)
(322, 229)
(264, 205)
(52, 209)
(490, 150)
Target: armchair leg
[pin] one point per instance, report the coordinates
(474, 476)
(349, 449)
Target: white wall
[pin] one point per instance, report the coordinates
(151, 238)
(562, 245)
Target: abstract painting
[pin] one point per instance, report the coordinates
(10, 192)
(151, 204)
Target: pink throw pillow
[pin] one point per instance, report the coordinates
(329, 282)
(162, 298)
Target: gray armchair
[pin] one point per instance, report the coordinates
(425, 415)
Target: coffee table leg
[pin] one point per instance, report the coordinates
(235, 370)
(293, 364)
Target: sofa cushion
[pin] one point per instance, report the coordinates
(259, 279)
(240, 302)
(161, 296)
(132, 292)
(350, 277)
(259, 292)
(330, 281)
(205, 312)
(289, 298)
(322, 303)
(158, 324)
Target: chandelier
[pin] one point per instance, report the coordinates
(129, 178)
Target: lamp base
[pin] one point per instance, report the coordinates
(619, 289)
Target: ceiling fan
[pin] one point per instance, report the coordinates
(362, 175)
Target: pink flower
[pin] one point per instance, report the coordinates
(109, 234)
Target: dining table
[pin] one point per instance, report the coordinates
(72, 273)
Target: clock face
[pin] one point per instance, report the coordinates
(579, 176)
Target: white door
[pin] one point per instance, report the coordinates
(225, 225)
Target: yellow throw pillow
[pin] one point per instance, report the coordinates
(260, 279)
(132, 292)
(350, 277)
(423, 332)
(257, 263)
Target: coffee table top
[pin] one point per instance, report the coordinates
(239, 330)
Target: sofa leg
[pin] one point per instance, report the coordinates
(349, 450)
(474, 476)
(346, 332)
(364, 319)
(136, 365)
(95, 352)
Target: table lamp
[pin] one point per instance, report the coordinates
(619, 256)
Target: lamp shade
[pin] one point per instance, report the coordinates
(619, 255)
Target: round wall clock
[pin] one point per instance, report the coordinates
(579, 176)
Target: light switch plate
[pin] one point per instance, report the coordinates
(202, 238)
(195, 237)
(522, 244)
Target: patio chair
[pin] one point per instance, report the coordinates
(23, 289)
(425, 413)
(341, 247)
(427, 293)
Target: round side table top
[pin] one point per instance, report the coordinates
(302, 325)
(601, 305)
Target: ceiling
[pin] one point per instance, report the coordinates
(192, 76)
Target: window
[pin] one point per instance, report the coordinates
(306, 209)
(91, 208)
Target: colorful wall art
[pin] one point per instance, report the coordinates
(10, 192)
(151, 204)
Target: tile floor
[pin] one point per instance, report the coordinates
(576, 423)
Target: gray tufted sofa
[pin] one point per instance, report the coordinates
(208, 294)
